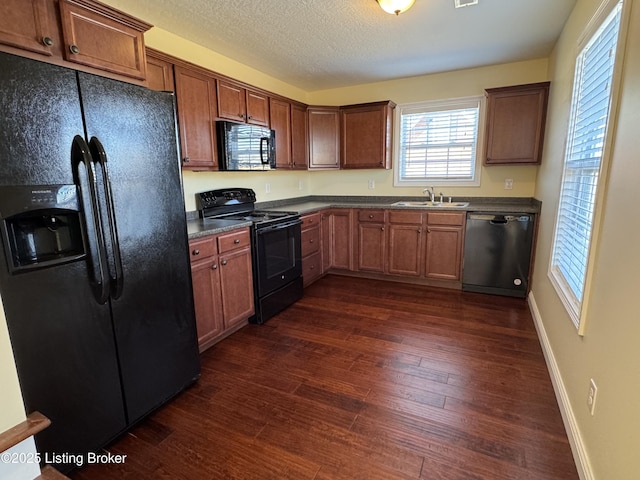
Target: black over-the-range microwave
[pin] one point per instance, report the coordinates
(245, 147)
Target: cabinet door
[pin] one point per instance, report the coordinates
(444, 253)
(104, 40)
(324, 128)
(25, 24)
(231, 101)
(372, 247)
(236, 282)
(340, 238)
(281, 122)
(325, 234)
(299, 137)
(196, 97)
(365, 135)
(207, 300)
(515, 124)
(405, 249)
(257, 108)
(159, 74)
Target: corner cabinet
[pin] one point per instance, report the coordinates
(324, 138)
(75, 32)
(221, 273)
(515, 128)
(366, 135)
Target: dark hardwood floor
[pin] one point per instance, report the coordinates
(363, 379)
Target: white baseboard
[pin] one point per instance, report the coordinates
(580, 455)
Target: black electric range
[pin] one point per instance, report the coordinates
(275, 247)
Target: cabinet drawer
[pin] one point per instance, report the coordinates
(445, 218)
(310, 241)
(202, 248)
(228, 242)
(311, 268)
(374, 216)
(406, 217)
(310, 220)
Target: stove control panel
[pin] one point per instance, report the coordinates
(225, 197)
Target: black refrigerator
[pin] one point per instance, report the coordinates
(94, 272)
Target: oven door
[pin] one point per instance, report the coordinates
(278, 259)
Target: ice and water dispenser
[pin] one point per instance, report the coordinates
(41, 226)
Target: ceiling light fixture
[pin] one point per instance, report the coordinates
(395, 6)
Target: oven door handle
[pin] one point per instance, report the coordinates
(280, 226)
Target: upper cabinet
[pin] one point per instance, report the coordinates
(80, 32)
(324, 137)
(29, 25)
(365, 135)
(196, 102)
(159, 71)
(516, 119)
(280, 112)
(299, 136)
(241, 104)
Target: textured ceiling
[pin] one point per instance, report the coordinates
(320, 44)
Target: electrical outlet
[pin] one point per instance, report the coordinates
(267, 188)
(508, 183)
(372, 184)
(300, 185)
(591, 398)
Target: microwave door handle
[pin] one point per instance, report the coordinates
(84, 179)
(264, 150)
(117, 276)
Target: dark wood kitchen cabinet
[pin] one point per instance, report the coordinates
(340, 238)
(365, 135)
(75, 32)
(516, 119)
(159, 71)
(324, 137)
(406, 243)
(445, 233)
(299, 136)
(196, 105)
(280, 116)
(221, 272)
(240, 104)
(311, 241)
(371, 240)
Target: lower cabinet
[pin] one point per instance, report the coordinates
(311, 247)
(372, 241)
(405, 243)
(221, 272)
(445, 231)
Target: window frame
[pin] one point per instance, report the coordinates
(578, 309)
(435, 106)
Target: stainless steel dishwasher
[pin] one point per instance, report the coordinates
(497, 253)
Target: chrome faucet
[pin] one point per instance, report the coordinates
(430, 191)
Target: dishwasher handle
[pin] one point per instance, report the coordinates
(499, 219)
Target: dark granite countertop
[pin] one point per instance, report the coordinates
(201, 227)
(310, 204)
(198, 227)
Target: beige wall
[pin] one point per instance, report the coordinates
(609, 351)
(11, 404)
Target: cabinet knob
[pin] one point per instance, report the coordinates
(196, 252)
(311, 241)
(312, 267)
(249, 117)
(186, 159)
(419, 230)
(370, 215)
(214, 266)
(74, 49)
(48, 41)
(224, 262)
(236, 241)
(382, 228)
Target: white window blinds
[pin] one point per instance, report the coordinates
(585, 144)
(438, 141)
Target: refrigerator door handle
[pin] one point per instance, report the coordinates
(116, 272)
(85, 180)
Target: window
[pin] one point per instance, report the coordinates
(586, 143)
(438, 142)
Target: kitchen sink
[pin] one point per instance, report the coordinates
(432, 204)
